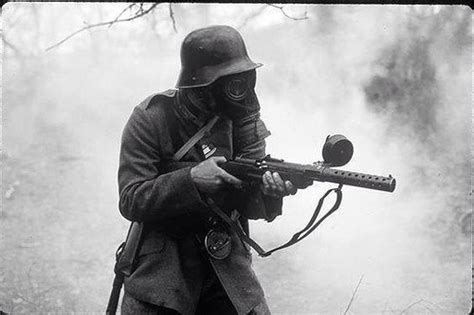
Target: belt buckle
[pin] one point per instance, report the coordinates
(218, 243)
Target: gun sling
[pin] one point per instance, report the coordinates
(308, 229)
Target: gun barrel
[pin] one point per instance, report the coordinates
(358, 179)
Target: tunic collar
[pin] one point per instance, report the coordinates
(197, 114)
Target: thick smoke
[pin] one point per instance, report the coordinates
(395, 80)
(418, 91)
(386, 80)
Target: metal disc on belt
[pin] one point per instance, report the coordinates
(218, 244)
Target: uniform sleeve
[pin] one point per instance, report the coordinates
(145, 194)
(257, 205)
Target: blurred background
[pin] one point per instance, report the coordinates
(396, 80)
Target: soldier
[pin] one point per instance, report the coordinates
(177, 271)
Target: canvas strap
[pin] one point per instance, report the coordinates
(194, 139)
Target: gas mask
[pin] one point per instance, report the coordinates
(235, 96)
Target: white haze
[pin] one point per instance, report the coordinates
(64, 111)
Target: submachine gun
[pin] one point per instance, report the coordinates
(337, 151)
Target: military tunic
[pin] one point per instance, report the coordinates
(170, 265)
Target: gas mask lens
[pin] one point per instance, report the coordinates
(236, 89)
(235, 95)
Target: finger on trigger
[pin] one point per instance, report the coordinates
(271, 180)
(279, 183)
(266, 185)
(290, 188)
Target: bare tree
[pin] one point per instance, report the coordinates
(282, 9)
(7, 44)
(261, 9)
(138, 10)
(141, 11)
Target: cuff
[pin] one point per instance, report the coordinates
(187, 195)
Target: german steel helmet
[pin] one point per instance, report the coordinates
(210, 53)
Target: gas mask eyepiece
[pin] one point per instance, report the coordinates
(236, 89)
(235, 95)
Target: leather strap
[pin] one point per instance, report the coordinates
(308, 229)
(194, 139)
(311, 226)
(234, 226)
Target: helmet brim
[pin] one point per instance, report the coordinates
(208, 74)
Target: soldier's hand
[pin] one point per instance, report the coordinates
(274, 186)
(210, 178)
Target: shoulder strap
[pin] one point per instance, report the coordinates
(194, 139)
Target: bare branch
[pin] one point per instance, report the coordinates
(140, 9)
(136, 16)
(411, 305)
(282, 9)
(252, 16)
(121, 13)
(7, 43)
(172, 17)
(434, 304)
(27, 300)
(353, 295)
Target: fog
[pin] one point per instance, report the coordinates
(395, 80)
